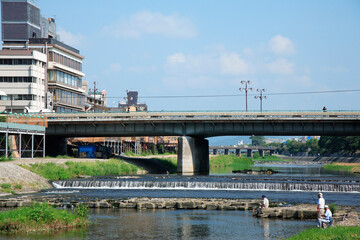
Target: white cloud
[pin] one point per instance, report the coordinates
(281, 45)
(281, 66)
(215, 67)
(115, 67)
(176, 58)
(74, 40)
(231, 63)
(147, 22)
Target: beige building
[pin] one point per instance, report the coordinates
(22, 80)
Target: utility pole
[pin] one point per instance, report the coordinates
(261, 97)
(246, 89)
(94, 89)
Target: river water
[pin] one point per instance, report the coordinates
(177, 224)
(292, 184)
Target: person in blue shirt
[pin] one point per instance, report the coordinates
(326, 218)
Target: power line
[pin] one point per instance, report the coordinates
(239, 95)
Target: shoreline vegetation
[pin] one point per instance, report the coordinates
(348, 167)
(53, 171)
(41, 217)
(337, 232)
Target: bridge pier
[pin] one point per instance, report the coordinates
(193, 155)
(214, 151)
(261, 152)
(238, 152)
(56, 146)
(249, 153)
(226, 151)
(272, 152)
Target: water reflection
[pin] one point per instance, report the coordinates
(176, 224)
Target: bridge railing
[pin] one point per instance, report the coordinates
(213, 115)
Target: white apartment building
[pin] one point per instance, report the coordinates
(22, 80)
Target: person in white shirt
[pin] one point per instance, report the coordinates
(327, 217)
(265, 202)
(320, 205)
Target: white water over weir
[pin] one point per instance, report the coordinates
(196, 185)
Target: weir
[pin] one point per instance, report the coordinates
(202, 185)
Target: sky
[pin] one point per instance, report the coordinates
(206, 48)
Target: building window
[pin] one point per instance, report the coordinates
(55, 57)
(18, 79)
(61, 77)
(17, 62)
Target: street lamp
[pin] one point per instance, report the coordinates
(94, 89)
(261, 97)
(246, 89)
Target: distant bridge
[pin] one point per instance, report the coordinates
(249, 150)
(194, 127)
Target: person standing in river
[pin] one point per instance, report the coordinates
(320, 205)
(265, 203)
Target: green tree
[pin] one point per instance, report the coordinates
(312, 145)
(339, 144)
(257, 140)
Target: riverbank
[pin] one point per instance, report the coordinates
(324, 160)
(15, 179)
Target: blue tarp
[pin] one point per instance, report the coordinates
(90, 151)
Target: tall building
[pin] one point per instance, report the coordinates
(24, 29)
(20, 20)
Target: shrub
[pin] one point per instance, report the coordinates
(82, 210)
(333, 208)
(6, 186)
(18, 186)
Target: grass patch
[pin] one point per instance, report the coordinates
(54, 171)
(5, 159)
(42, 217)
(348, 167)
(334, 233)
(168, 162)
(7, 188)
(233, 161)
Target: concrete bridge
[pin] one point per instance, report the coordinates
(193, 127)
(249, 150)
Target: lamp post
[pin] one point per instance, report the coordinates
(94, 89)
(261, 97)
(246, 89)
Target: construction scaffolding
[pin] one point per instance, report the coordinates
(22, 140)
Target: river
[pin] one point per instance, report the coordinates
(292, 184)
(176, 224)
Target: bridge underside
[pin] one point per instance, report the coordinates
(206, 129)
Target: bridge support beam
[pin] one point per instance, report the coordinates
(272, 152)
(193, 155)
(56, 146)
(214, 151)
(249, 153)
(226, 151)
(238, 152)
(261, 152)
